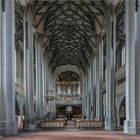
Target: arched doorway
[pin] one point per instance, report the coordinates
(122, 112)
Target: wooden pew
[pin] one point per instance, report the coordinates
(89, 124)
(53, 125)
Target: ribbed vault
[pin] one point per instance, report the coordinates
(69, 28)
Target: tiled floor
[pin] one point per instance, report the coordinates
(73, 135)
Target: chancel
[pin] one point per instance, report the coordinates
(70, 65)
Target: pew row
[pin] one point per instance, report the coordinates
(89, 124)
(53, 125)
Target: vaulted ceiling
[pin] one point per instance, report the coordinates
(70, 28)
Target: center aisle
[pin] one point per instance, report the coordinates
(71, 126)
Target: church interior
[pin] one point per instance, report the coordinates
(70, 69)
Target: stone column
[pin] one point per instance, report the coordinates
(137, 76)
(46, 79)
(51, 104)
(118, 118)
(110, 120)
(88, 95)
(132, 123)
(92, 84)
(28, 69)
(0, 54)
(84, 99)
(7, 68)
(49, 79)
(97, 83)
(44, 82)
(94, 87)
(47, 73)
(39, 83)
(99, 99)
